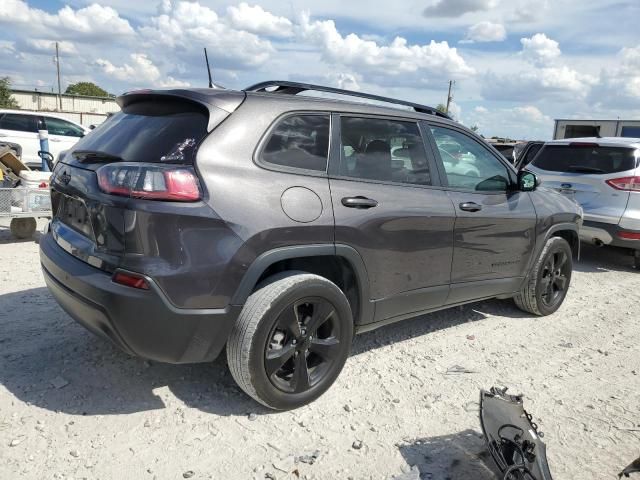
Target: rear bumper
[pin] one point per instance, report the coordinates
(140, 322)
(608, 234)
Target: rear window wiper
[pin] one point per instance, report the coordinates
(95, 156)
(579, 168)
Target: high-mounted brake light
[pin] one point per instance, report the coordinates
(630, 184)
(130, 280)
(150, 181)
(583, 144)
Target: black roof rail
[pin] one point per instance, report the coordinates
(293, 88)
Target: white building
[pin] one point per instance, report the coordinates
(566, 128)
(78, 108)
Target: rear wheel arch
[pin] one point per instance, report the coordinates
(339, 264)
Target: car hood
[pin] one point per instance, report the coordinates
(511, 437)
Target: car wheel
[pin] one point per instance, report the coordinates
(546, 287)
(291, 340)
(23, 227)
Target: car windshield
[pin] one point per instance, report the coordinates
(585, 159)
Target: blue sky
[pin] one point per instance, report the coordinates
(518, 64)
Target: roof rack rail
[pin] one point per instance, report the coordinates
(293, 88)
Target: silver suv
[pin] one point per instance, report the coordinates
(603, 176)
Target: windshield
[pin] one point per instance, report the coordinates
(167, 131)
(585, 159)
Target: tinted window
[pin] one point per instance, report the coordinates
(384, 150)
(56, 126)
(20, 123)
(299, 141)
(468, 164)
(165, 131)
(585, 159)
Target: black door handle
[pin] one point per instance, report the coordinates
(470, 207)
(359, 202)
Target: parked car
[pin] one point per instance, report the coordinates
(21, 127)
(278, 226)
(603, 175)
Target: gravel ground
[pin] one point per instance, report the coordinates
(72, 406)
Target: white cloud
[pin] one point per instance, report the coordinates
(540, 49)
(619, 87)
(39, 45)
(485, 32)
(397, 61)
(346, 81)
(141, 71)
(256, 20)
(521, 122)
(185, 25)
(455, 8)
(92, 22)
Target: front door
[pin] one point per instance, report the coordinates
(495, 224)
(386, 208)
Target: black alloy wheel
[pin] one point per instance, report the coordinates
(303, 345)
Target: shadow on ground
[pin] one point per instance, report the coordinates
(462, 455)
(603, 259)
(41, 348)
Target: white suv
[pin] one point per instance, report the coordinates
(21, 127)
(603, 176)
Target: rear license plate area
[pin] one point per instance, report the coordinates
(73, 213)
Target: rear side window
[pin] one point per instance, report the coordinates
(20, 123)
(152, 131)
(299, 141)
(585, 159)
(383, 150)
(57, 126)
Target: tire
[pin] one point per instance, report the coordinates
(535, 296)
(265, 336)
(23, 227)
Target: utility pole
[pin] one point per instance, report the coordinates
(58, 70)
(449, 95)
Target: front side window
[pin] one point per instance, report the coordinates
(57, 126)
(299, 141)
(468, 164)
(19, 123)
(383, 150)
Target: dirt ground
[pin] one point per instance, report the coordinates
(72, 406)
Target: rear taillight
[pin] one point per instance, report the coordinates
(631, 184)
(130, 280)
(150, 181)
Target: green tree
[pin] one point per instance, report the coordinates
(6, 100)
(474, 128)
(441, 107)
(86, 88)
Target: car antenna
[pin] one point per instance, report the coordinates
(206, 59)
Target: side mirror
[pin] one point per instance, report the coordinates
(527, 181)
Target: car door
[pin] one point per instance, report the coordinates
(495, 224)
(62, 134)
(23, 130)
(388, 208)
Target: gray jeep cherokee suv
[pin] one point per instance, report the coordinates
(278, 225)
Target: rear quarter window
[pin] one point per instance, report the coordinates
(299, 141)
(154, 131)
(585, 159)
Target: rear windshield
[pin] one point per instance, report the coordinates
(585, 159)
(154, 131)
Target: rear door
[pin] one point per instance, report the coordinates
(23, 130)
(62, 134)
(495, 225)
(387, 206)
(581, 170)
